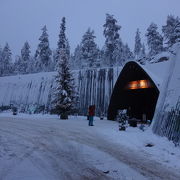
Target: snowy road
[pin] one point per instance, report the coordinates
(58, 149)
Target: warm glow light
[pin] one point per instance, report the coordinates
(140, 84)
(143, 84)
(133, 85)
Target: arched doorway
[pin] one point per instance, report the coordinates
(134, 91)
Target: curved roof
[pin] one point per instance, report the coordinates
(156, 71)
(131, 71)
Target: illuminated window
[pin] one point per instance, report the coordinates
(140, 84)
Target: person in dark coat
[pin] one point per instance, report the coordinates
(91, 113)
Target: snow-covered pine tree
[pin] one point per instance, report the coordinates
(68, 49)
(89, 50)
(6, 61)
(154, 40)
(43, 52)
(98, 60)
(128, 55)
(171, 30)
(177, 31)
(31, 65)
(23, 61)
(138, 45)
(111, 34)
(25, 56)
(118, 53)
(17, 65)
(59, 45)
(76, 58)
(65, 90)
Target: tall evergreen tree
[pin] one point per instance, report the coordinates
(177, 31)
(65, 91)
(154, 40)
(118, 53)
(76, 58)
(6, 61)
(112, 35)
(17, 65)
(43, 52)
(89, 50)
(171, 30)
(61, 42)
(23, 61)
(128, 55)
(68, 49)
(31, 65)
(138, 45)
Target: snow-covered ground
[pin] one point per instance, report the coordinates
(44, 147)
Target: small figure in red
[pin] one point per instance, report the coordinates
(91, 113)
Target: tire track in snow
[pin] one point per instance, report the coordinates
(49, 152)
(50, 149)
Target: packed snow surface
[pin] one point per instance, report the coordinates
(45, 147)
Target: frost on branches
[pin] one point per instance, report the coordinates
(171, 30)
(43, 53)
(111, 33)
(154, 40)
(21, 63)
(89, 50)
(6, 66)
(138, 45)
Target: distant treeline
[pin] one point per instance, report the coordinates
(87, 54)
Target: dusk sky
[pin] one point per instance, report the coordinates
(22, 20)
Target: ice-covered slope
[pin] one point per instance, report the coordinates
(167, 116)
(25, 90)
(94, 86)
(34, 90)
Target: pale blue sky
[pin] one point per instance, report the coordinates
(22, 20)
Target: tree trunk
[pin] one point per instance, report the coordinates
(64, 116)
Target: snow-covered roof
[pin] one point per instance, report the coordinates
(157, 71)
